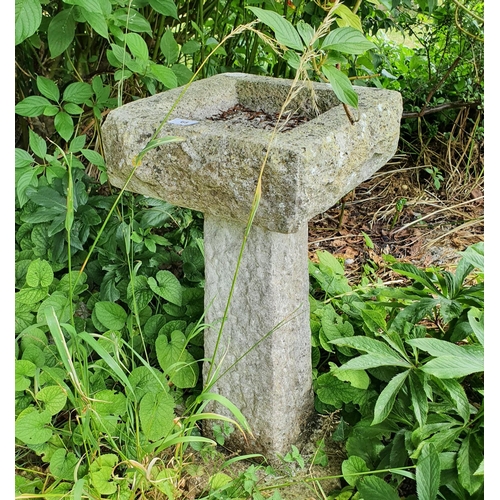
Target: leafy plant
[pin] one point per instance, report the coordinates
(406, 365)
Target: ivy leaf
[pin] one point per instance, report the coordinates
(341, 85)
(167, 286)
(28, 18)
(111, 315)
(428, 473)
(61, 32)
(156, 414)
(31, 426)
(347, 40)
(285, 33)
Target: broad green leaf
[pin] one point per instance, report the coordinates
(100, 473)
(306, 32)
(137, 46)
(428, 473)
(63, 464)
(470, 361)
(37, 144)
(147, 380)
(371, 346)
(48, 88)
(164, 75)
(385, 401)
(348, 18)
(31, 295)
(167, 286)
(23, 158)
(31, 426)
(176, 362)
(165, 7)
(64, 125)
(24, 371)
(59, 302)
(347, 40)
(88, 5)
(469, 459)
(341, 85)
(374, 488)
(183, 73)
(285, 33)
(31, 106)
(97, 22)
(169, 47)
(61, 32)
(351, 469)
(357, 378)
(132, 20)
(51, 110)
(75, 146)
(39, 274)
(93, 157)
(437, 347)
(190, 47)
(73, 109)
(28, 18)
(367, 361)
(77, 92)
(54, 398)
(156, 413)
(108, 402)
(111, 315)
(141, 292)
(474, 255)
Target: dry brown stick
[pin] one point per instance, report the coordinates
(441, 107)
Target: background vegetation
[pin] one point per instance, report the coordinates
(109, 285)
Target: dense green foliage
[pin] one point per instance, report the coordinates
(109, 285)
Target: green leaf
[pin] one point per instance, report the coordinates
(63, 464)
(306, 31)
(31, 426)
(471, 360)
(367, 361)
(93, 157)
(341, 85)
(474, 255)
(61, 32)
(24, 369)
(37, 144)
(147, 380)
(169, 47)
(28, 18)
(164, 7)
(54, 398)
(418, 399)
(457, 396)
(97, 22)
(176, 362)
(156, 414)
(164, 75)
(436, 347)
(31, 106)
(347, 18)
(137, 46)
(111, 315)
(73, 109)
(347, 40)
(23, 158)
(283, 29)
(47, 88)
(77, 92)
(88, 5)
(142, 292)
(385, 401)
(167, 286)
(39, 274)
(374, 488)
(190, 47)
(428, 473)
(64, 125)
(476, 321)
(351, 469)
(357, 378)
(77, 143)
(101, 472)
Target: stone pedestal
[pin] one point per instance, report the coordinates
(214, 169)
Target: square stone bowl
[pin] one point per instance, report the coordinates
(227, 124)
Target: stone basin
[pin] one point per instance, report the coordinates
(264, 349)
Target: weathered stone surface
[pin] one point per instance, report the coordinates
(271, 385)
(215, 168)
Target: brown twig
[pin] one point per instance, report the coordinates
(438, 109)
